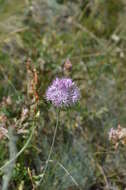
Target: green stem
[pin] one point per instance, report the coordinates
(51, 149)
(20, 152)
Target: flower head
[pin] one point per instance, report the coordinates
(63, 92)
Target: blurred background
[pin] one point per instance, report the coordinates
(86, 41)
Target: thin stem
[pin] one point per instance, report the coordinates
(68, 173)
(20, 152)
(51, 149)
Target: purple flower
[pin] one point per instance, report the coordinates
(63, 92)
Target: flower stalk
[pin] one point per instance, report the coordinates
(52, 146)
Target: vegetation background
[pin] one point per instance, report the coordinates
(36, 38)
